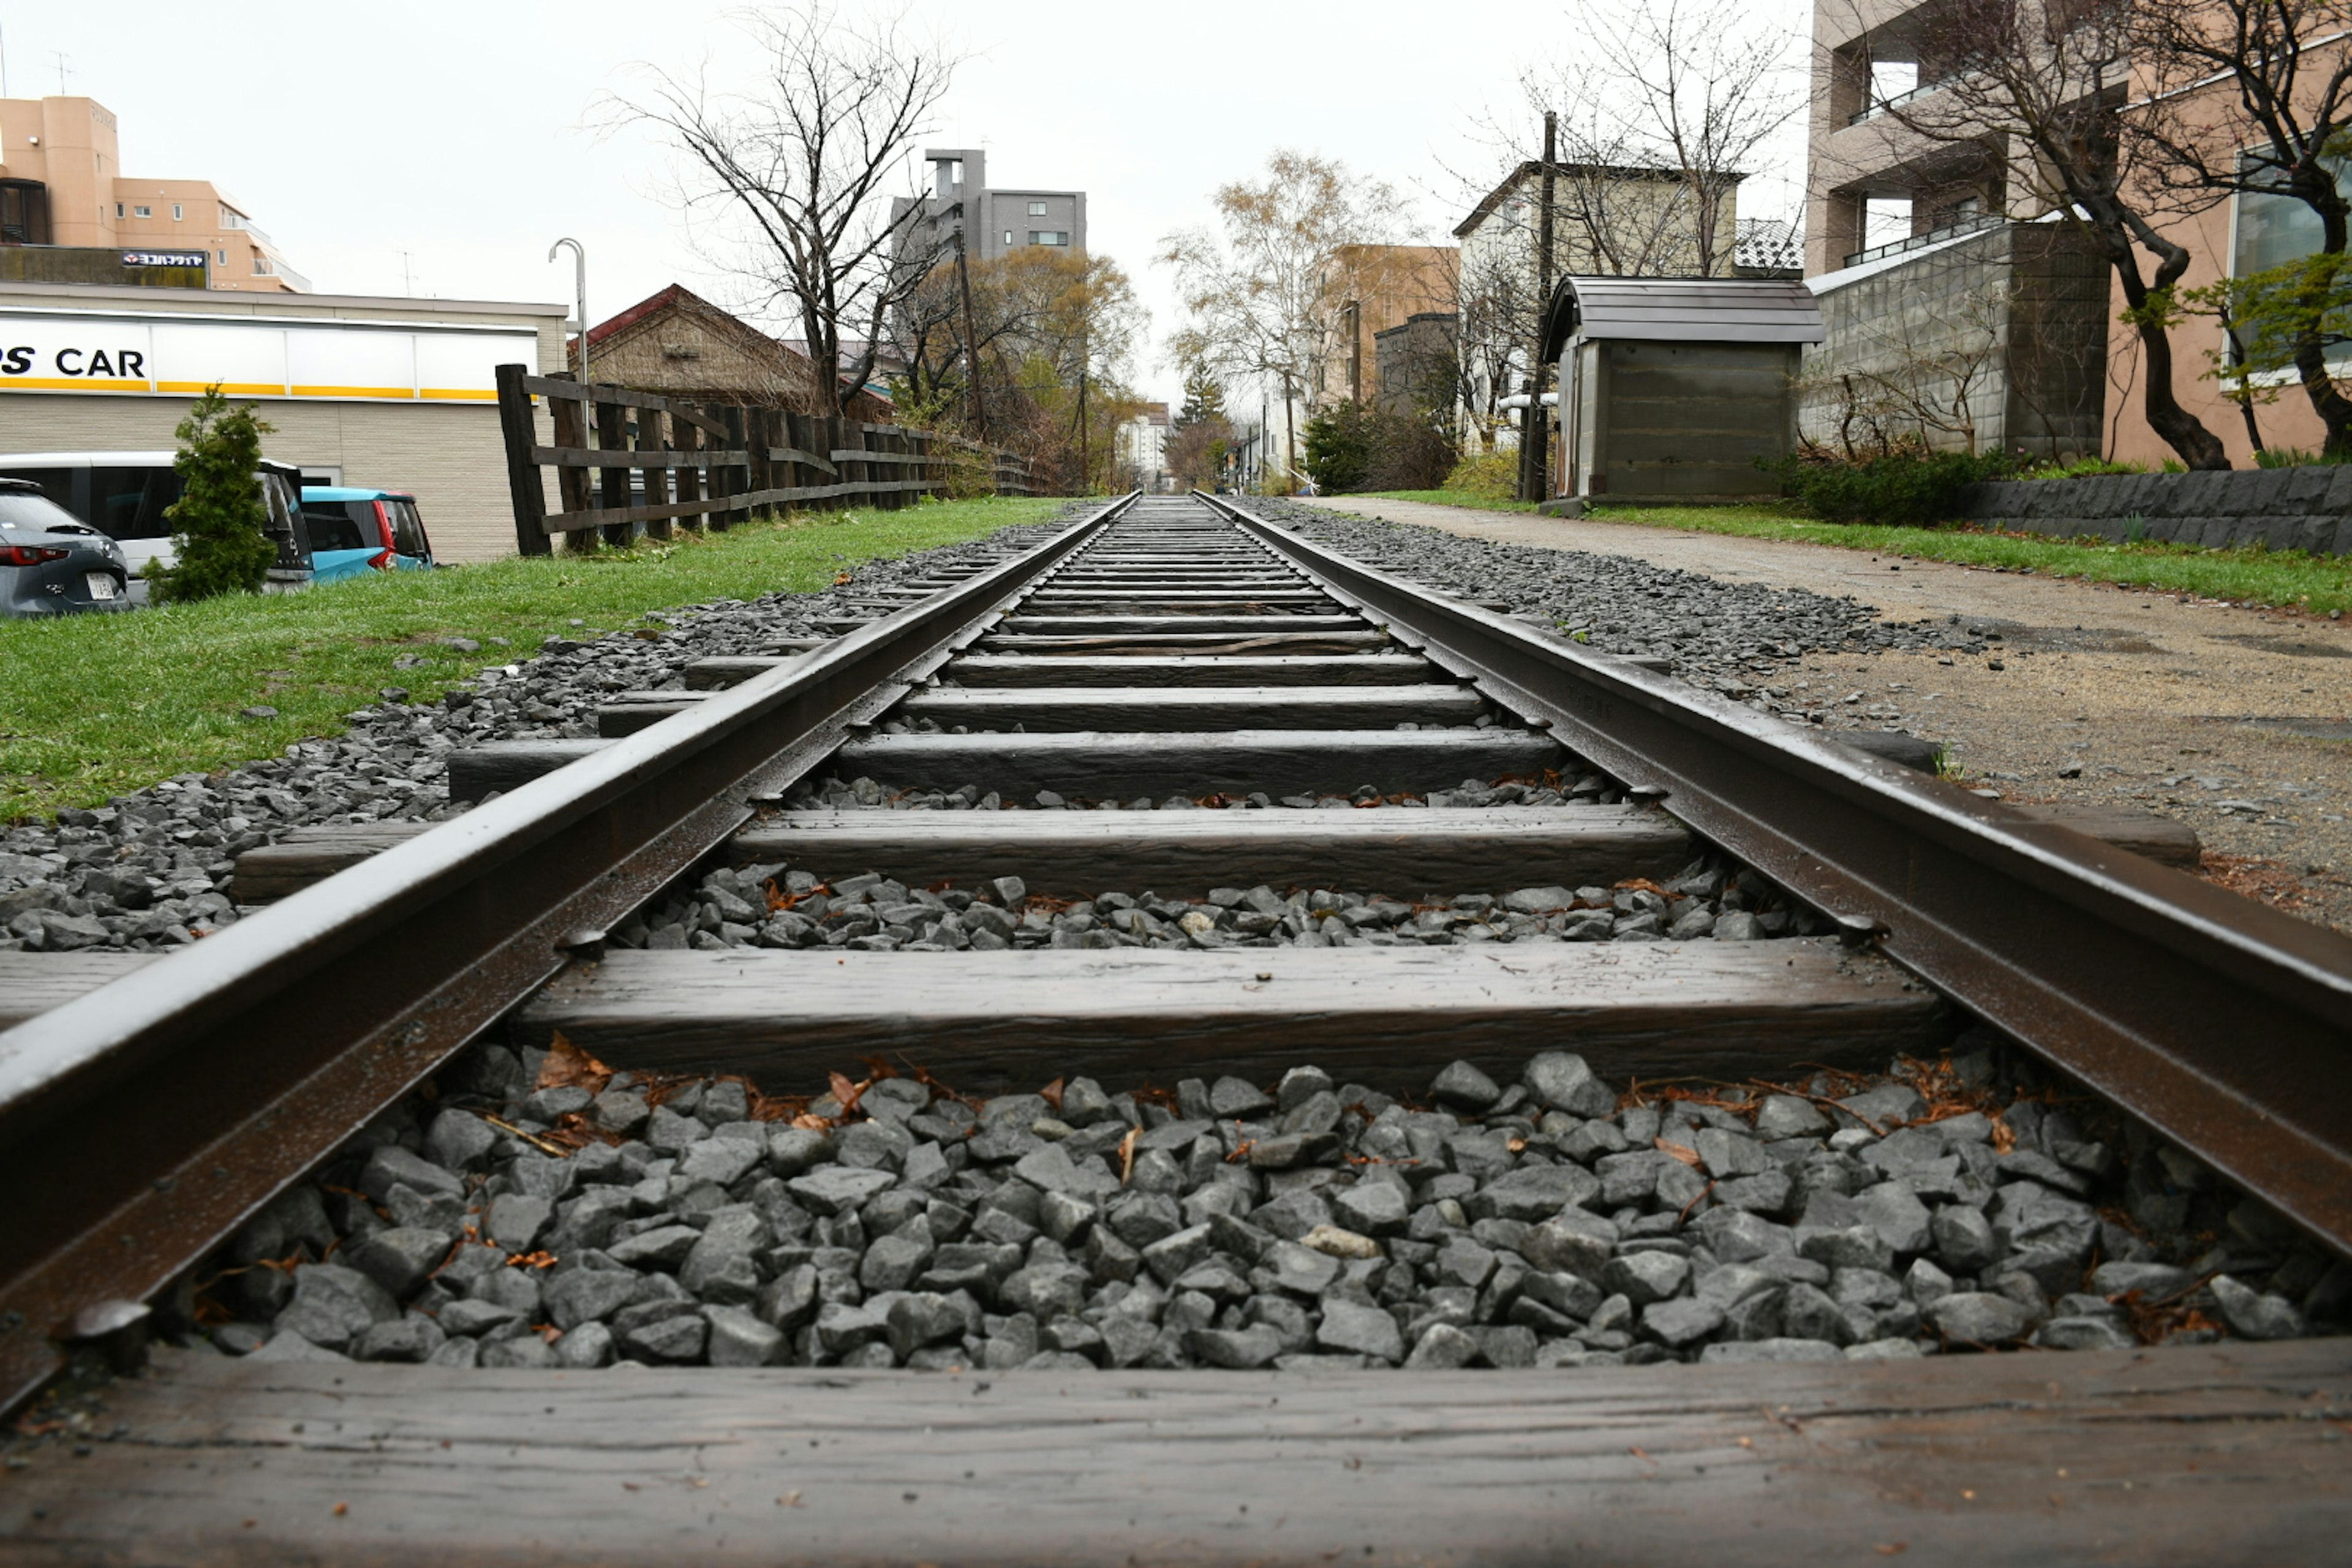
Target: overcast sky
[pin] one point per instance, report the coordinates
(458, 133)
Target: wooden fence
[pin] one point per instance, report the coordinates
(624, 459)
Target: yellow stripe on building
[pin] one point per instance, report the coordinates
(458, 394)
(399, 392)
(228, 389)
(68, 383)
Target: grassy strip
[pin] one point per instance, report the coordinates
(2290, 578)
(1448, 497)
(92, 706)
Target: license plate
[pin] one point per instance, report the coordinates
(101, 585)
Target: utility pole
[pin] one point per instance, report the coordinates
(970, 337)
(1535, 466)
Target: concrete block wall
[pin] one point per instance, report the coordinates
(2282, 508)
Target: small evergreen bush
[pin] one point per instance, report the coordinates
(1908, 486)
(1491, 475)
(218, 523)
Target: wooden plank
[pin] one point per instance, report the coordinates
(505, 765)
(518, 429)
(1145, 643)
(620, 718)
(1387, 1017)
(1024, 670)
(598, 457)
(2185, 1455)
(1100, 765)
(306, 855)
(1177, 707)
(1184, 854)
(1067, 625)
(802, 456)
(2161, 838)
(33, 982)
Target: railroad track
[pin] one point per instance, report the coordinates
(1180, 651)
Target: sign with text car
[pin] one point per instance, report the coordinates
(247, 356)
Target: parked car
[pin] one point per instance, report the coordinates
(356, 530)
(52, 563)
(123, 495)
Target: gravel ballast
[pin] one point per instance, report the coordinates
(153, 870)
(778, 905)
(542, 1211)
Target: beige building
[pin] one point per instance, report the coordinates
(394, 393)
(1372, 287)
(61, 182)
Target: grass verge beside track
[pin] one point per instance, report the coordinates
(92, 706)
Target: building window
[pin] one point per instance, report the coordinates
(143, 212)
(1036, 209)
(232, 218)
(261, 268)
(118, 209)
(23, 212)
(1008, 237)
(1048, 237)
(2274, 229)
(175, 212)
(223, 254)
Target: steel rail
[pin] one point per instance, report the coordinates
(141, 1123)
(2222, 1022)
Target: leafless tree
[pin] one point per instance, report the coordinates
(1259, 289)
(2253, 97)
(796, 173)
(2031, 94)
(1690, 89)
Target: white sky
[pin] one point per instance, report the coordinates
(457, 133)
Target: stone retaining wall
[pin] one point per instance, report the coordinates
(2285, 509)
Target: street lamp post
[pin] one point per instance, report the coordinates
(580, 293)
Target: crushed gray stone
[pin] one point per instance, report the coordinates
(1520, 1218)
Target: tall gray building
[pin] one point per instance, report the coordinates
(995, 222)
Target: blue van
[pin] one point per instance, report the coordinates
(354, 531)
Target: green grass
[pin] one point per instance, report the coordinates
(1450, 497)
(94, 706)
(2288, 578)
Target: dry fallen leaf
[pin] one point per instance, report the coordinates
(568, 1066)
(1688, 1156)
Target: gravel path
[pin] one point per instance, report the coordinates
(545, 1212)
(2236, 721)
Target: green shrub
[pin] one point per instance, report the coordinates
(1491, 475)
(218, 524)
(2077, 469)
(1908, 486)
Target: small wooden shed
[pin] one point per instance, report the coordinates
(1670, 388)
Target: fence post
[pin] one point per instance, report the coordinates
(523, 487)
(685, 437)
(613, 491)
(738, 475)
(649, 439)
(570, 480)
(756, 422)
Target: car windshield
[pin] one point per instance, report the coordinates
(18, 509)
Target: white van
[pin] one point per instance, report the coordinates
(123, 494)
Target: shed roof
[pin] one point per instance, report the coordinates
(1682, 310)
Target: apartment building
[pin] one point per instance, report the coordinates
(61, 184)
(994, 222)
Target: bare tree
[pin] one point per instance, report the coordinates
(2031, 92)
(796, 173)
(1694, 88)
(2255, 96)
(1259, 289)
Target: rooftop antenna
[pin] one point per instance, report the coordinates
(408, 284)
(62, 71)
